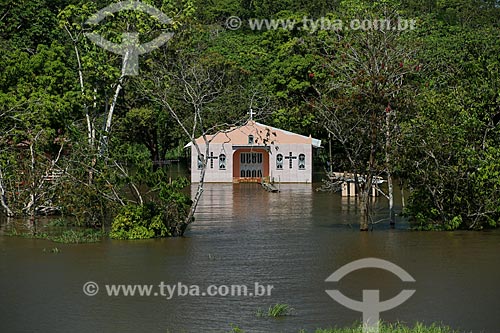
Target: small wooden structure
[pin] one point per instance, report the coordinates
(348, 183)
(268, 186)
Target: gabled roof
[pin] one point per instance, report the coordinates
(263, 135)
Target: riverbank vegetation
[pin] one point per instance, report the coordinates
(384, 328)
(395, 328)
(61, 232)
(81, 138)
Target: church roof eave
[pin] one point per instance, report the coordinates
(316, 143)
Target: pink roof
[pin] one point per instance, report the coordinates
(263, 135)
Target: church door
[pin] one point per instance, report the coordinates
(251, 165)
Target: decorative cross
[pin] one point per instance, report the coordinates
(212, 158)
(251, 113)
(291, 158)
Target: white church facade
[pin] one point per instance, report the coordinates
(254, 152)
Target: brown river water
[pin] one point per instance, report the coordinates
(291, 240)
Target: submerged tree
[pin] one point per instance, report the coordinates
(451, 145)
(360, 99)
(194, 90)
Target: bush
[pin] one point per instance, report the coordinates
(134, 222)
(155, 218)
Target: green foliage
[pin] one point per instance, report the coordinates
(277, 310)
(236, 329)
(451, 144)
(156, 218)
(66, 236)
(445, 144)
(136, 222)
(383, 328)
(78, 236)
(394, 328)
(89, 204)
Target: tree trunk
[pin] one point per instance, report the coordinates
(3, 197)
(109, 118)
(391, 199)
(197, 196)
(364, 203)
(401, 189)
(31, 207)
(390, 184)
(90, 125)
(368, 182)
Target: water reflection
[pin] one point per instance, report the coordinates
(253, 206)
(293, 240)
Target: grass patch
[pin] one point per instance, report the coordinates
(78, 236)
(393, 328)
(236, 329)
(384, 328)
(59, 223)
(71, 236)
(277, 310)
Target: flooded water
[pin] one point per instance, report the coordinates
(292, 240)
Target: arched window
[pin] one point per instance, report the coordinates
(302, 162)
(222, 162)
(200, 161)
(250, 139)
(279, 162)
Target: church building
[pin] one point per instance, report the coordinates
(255, 151)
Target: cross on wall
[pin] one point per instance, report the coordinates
(212, 158)
(290, 158)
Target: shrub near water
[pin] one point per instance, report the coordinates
(135, 222)
(155, 218)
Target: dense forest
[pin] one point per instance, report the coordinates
(420, 105)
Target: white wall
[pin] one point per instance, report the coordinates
(213, 175)
(286, 175)
(294, 175)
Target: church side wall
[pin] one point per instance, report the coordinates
(213, 173)
(293, 175)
